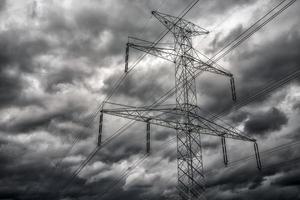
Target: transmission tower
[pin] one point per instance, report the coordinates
(185, 117)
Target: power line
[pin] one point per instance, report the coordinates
(271, 87)
(125, 174)
(263, 154)
(169, 93)
(113, 186)
(265, 91)
(256, 155)
(131, 69)
(172, 91)
(95, 114)
(239, 39)
(93, 153)
(232, 164)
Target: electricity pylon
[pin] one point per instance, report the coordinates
(185, 116)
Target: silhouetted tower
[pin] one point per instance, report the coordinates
(185, 116)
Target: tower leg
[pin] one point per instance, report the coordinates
(189, 152)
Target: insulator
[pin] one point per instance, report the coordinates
(148, 137)
(100, 129)
(126, 58)
(225, 157)
(257, 156)
(232, 85)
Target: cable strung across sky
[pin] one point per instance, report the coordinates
(117, 85)
(186, 120)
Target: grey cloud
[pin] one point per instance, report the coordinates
(244, 182)
(95, 35)
(19, 51)
(238, 116)
(254, 69)
(296, 106)
(29, 123)
(16, 58)
(290, 179)
(270, 61)
(265, 122)
(2, 5)
(219, 42)
(67, 75)
(216, 89)
(294, 134)
(137, 86)
(162, 135)
(97, 38)
(10, 87)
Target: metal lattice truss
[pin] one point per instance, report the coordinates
(192, 58)
(172, 117)
(171, 55)
(185, 116)
(179, 26)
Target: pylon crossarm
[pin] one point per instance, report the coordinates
(208, 67)
(170, 55)
(164, 53)
(162, 118)
(178, 25)
(208, 60)
(215, 68)
(209, 124)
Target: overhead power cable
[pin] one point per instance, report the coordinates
(252, 29)
(93, 153)
(109, 97)
(264, 153)
(116, 85)
(263, 92)
(127, 172)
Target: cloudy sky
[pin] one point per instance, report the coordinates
(60, 58)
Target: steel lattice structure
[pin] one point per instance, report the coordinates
(185, 116)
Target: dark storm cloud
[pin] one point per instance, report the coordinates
(296, 106)
(216, 89)
(217, 43)
(98, 36)
(2, 5)
(254, 69)
(88, 28)
(66, 75)
(211, 145)
(162, 135)
(16, 58)
(292, 178)
(269, 62)
(238, 116)
(242, 179)
(244, 182)
(19, 50)
(43, 120)
(10, 87)
(294, 134)
(222, 6)
(207, 8)
(137, 86)
(18, 166)
(265, 122)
